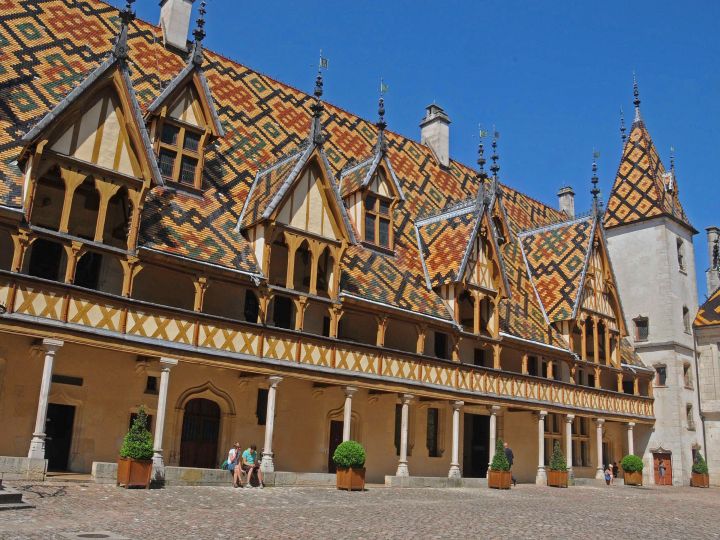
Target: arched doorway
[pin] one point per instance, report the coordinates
(200, 430)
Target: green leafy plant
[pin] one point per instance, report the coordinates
(632, 463)
(349, 455)
(138, 443)
(700, 465)
(499, 461)
(557, 460)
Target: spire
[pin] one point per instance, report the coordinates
(127, 15)
(199, 35)
(622, 125)
(636, 101)
(494, 168)
(482, 175)
(595, 191)
(317, 108)
(381, 124)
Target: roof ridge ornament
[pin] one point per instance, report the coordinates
(381, 124)
(495, 167)
(317, 108)
(127, 15)
(623, 136)
(636, 101)
(199, 34)
(595, 191)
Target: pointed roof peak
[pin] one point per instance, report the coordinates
(127, 15)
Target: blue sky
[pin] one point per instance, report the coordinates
(551, 76)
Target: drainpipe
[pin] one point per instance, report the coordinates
(697, 391)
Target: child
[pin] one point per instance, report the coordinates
(608, 475)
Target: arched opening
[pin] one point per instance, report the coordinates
(466, 311)
(317, 319)
(401, 335)
(84, 210)
(48, 201)
(278, 262)
(303, 268)
(200, 431)
(46, 259)
(117, 220)
(163, 286)
(101, 272)
(226, 300)
(7, 249)
(601, 329)
(282, 312)
(485, 314)
(326, 271)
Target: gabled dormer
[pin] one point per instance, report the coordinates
(183, 121)
(371, 192)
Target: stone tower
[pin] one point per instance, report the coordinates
(651, 244)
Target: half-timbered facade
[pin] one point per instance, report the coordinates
(250, 263)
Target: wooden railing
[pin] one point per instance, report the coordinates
(66, 305)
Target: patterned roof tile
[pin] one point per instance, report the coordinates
(709, 312)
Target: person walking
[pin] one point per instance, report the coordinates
(510, 457)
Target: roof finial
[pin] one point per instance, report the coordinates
(127, 15)
(381, 124)
(622, 125)
(494, 168)
(636, 101)
(317, 107)
(595, 191)
(482, 175)
(672, 160)
(199, 35)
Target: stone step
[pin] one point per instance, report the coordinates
(11, 499)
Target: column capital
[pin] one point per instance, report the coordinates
(457, 405)
(406, 398)
(167, 363)
(569, 418)
(51, 345)
(350, 390)
(274, 380)
(630, 425)
(542, 414)
(494, 409)
(599, 421)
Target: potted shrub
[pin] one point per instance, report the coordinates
(700, 477)
(135, 461)
(349, 457)
(499, 475)
(632, 467)
(558, 473)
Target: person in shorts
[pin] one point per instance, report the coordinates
(234, 458)
(251, 464)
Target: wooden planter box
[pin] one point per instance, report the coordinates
(700, 480)
(350, 479)
(632, 478)
(134, 472)
(557, 479)
(499, 479)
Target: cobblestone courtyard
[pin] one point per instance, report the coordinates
(524, 512)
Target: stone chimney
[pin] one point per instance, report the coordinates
(713, 272)
(175, 22)
(566, 201)
(435, 133)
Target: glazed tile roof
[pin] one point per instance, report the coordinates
(709, 312)
(556, 257)
(642, 189)
(359, 176)
(49, 46)
(628, 355)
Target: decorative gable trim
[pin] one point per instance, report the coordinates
(375, 161)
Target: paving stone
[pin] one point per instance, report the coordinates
(527, 511)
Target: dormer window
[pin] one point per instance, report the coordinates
(377, 229)
(180, 153)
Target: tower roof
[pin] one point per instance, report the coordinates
(643, 189)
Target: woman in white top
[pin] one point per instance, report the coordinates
(234, 464)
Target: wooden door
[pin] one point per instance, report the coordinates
(201, 427)
(662, 477)
(58, 431)
(336, 436)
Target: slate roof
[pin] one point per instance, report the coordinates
(47, 47)
(709, 312)
(643, 189)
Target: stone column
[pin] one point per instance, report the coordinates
(402, 469)
(631, 441)
(455, 462)
(347, 413)
(268, 457)
(600, 473)
(37, 443)
(569, 444)
(494, 410)
(166, 365)
(541, 476)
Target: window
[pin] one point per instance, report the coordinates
(681, 254)
(581, 442)
(179, 154)
(479, 357)
(687, 376)
(641, 328)
(151, 385)
(553, 432)
(532, 365)
(441, 345)
(261, 406)
(433, 417)
(377, 221)
(690, 419)
(686, 319)
(67, 379)
(660, 375)
(628, 387)
(590, 381)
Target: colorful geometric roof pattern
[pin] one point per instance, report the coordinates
(47, 47)
(556, 257)
(642, 188)
(709, 312)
